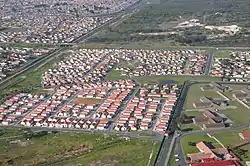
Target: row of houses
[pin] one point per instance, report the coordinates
(111, 107)
(49, 26)
(147, 112)
(121, 102)
(138, 114)
(73, 68)
(17, 106)
(237, 65)
(73, 123)
(48, 107)
(159, 90)
(93, 65)
(57, 7)
(196, 64)
(161, 62)
(102, 69)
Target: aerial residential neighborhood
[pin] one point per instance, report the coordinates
(12, 59)
(78, 98)
(124, 83)
(77, 95)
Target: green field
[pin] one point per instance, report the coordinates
(228, 138)
(72, 149)
(195, 138)
(115, 75)
(194, 113)
(195, 93)
(240, 115)
(222, 54)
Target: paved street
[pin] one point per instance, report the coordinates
(209, 64)
(166, 147)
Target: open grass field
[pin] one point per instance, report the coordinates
(116, 75)
(240, 115)
(193, 113)
(195, 93)
(228, 138)
(82, 100)
(195, 138)
(72, 149)
(222, 54)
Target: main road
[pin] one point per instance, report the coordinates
(168, 142)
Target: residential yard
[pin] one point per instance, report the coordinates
(195, 138)
(195, 93)
(73, 149)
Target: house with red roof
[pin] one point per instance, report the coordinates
(213, 156)
(215, 163)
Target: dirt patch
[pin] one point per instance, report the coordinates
(74, 151)
(19, 142)
(82, 100)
